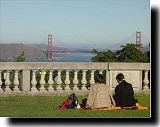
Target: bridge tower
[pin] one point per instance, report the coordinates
(49, 52)
(138, 41)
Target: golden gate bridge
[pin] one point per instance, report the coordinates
(49, 50)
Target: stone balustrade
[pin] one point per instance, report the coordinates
(61, 78)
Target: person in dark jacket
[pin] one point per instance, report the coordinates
(124, 94)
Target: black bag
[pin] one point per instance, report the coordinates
(83, 105)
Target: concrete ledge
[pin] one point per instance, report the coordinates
(52, 65)
(129, 66)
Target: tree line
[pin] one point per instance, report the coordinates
(126, 53)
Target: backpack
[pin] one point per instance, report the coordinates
(70, 103)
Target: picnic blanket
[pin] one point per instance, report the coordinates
(137, 106)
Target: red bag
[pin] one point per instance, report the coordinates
(71, 102)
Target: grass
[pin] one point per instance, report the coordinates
(45, 106)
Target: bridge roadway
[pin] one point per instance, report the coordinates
(63, 51)
(80, 51)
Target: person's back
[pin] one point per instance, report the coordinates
(100, 95)
(124, 94)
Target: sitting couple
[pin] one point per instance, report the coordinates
(100, 95)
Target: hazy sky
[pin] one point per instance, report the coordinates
(75, 23)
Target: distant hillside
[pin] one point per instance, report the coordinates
(8, 51)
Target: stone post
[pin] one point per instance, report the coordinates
(84, 81)
(50, 81)
(34, 82)
(145, 81)
(25, 80)
(7, 82)
(100, 71)
(59, 81)
(75, 81)
(42, 81)
(16, 82)
(92, 81)
(67, 81)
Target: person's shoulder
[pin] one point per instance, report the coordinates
(128, 83)
(118, 86)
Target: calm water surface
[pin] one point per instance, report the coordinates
(70, 57)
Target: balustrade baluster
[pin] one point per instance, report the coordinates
(84, 81)
(145, 81)
(1, 82)
(100, 71)
(59, 81)
(75, 81)
(16, 81)
(92, 81)
(42, 81)
(34, 82)
(50, 81)
(67, 81)
(7, 82)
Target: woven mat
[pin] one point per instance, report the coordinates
(120, 108)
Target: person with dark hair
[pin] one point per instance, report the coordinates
(100, 95)
(124, 94)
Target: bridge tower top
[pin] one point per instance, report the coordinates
(49, 54)
(138, 40)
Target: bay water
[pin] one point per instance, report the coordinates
(69, 57)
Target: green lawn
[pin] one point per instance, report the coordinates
(44, 106)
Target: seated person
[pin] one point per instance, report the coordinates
(124, 94)
(99, 94)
